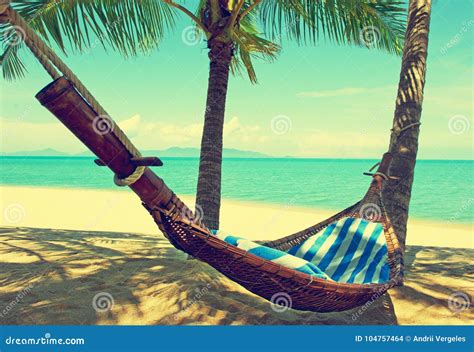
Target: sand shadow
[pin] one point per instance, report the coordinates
(440, 280)
(56, 274)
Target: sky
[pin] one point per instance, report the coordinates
(318, 101)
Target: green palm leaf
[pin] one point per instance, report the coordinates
(249, 45)
(339, 21)
(128, 26)
(132, 26)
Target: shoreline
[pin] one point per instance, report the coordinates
(119, 211)
(247, 203)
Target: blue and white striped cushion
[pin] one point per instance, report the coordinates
(350, 250)
(274, 255)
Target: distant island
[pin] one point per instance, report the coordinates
(41, 152)
(173, 152)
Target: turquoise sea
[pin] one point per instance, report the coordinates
(443, 190)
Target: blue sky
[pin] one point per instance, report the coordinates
(333, 101)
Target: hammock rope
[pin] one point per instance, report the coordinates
(397, 132)
(52, 63)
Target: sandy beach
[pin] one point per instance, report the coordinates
(61, 247)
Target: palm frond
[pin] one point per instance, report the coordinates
(127, 26)
(339, 21)
(12, 65)
(250, 45)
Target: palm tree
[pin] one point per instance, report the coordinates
(233, 39)
(408, 113)
(230, 27)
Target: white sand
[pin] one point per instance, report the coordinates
(97, 210)
(55, 269)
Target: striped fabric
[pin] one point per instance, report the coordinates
(274, 255)
(350, 250)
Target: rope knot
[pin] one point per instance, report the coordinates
(130, 179)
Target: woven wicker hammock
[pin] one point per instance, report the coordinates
(77, 109)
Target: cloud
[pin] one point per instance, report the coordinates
(344, 144)
(159, 135)
(341, 92)
(366, 137)
(20, 135)
(131, 126)
(237, 132)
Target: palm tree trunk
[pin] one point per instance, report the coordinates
(208, 198)
(408, 113)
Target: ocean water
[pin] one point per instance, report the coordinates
(443, 190)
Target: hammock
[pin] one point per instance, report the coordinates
(338, 264)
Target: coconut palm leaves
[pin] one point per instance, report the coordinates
(370, 23)
(136, 26)
(128, 26)
(257, 27)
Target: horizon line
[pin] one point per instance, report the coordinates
(232, 157)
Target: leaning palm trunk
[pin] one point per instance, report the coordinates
(208, 198)
(408, 113)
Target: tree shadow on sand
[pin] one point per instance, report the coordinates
(439, 280)
(71, 277)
